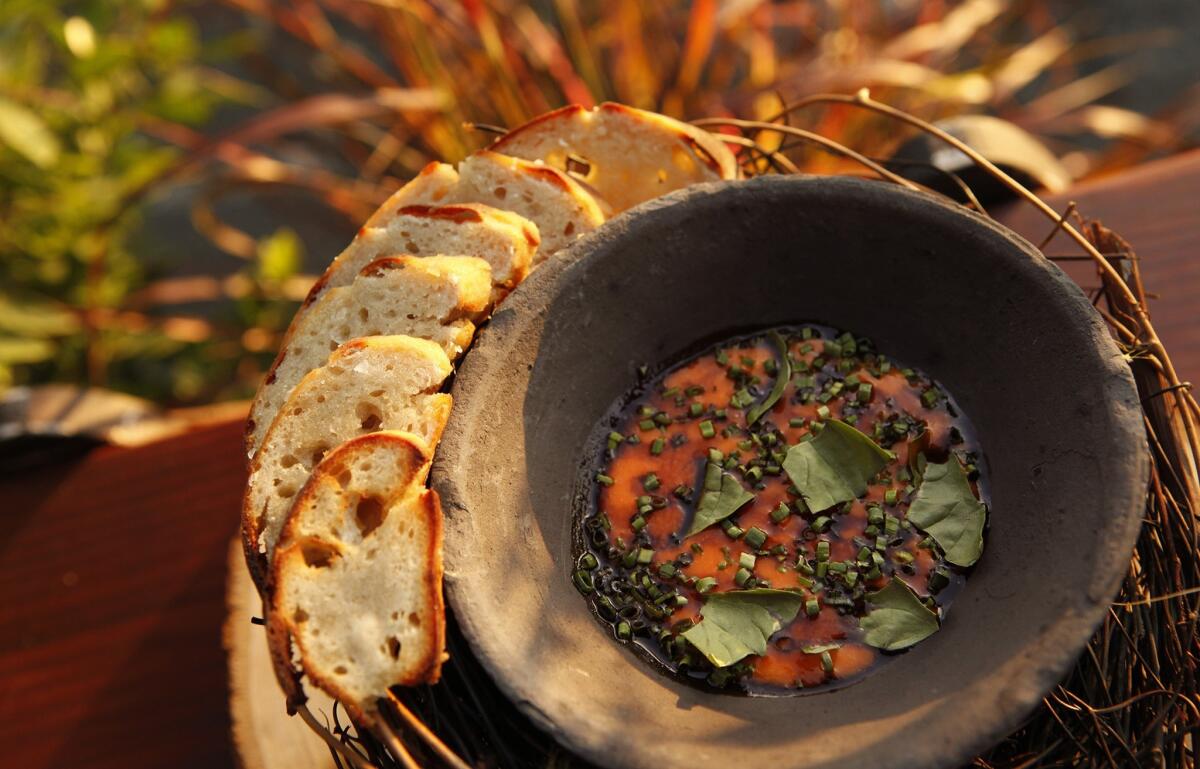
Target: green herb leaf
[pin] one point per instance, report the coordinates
(947, 510)
(818, 648)
(721, 498)
(897, 618)
(835, 466)
(782, 376)
(737, 624)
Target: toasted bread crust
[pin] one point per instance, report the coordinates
(626, 155)
(287, 642)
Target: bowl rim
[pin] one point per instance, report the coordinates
(1058, 645)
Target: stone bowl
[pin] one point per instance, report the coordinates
(1012, 338)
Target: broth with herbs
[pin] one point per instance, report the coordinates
(781, 512)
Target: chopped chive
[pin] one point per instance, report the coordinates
(696, 409)
(804, 581)
(583, 582)
(754, 474)
(714, 455)
(705, 584)
(821, 523)
(604, 479)
(662, 418)
(929, 398)
(650, 482)
(827, 663)
(823, 550)
(747, 560)
(796, 422)
(638, 523)
(780, 513)
(645, 555)
(755, 537)
(667, 570)
(822, 569)
(647, 424)
(875, 515)
(812, 607)
(823, 411)
(938, 580)
(864, 392)
(696, 548)
(624, 631)
(657, 446)
(706, 429)
(588, 561)
(742, 577)
(903, 556)
(890, 496)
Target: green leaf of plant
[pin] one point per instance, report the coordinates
(280, 255)
(897, 618)
(835, 466)
(14, 351)
(946, 509)
(721, 498)
(23, 131)
(782, 376)
(737, 624)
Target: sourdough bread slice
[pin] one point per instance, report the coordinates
(561, 207)
(503, 239)
(627, 155)
(435, 298)
(356, 605)
(368, 385)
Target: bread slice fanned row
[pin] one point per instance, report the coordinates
(627, 155)
(356, 604)
(436, 298)
(341, 535)
(562, 208)
(503, 239)
(368, 385)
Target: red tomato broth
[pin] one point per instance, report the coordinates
(894, 391)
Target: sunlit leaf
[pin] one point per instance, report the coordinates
(13, 351)
(26, 133)
(280, 255)
(720, 498)
(737, 624)
(897, 618)
(835, 466)
(946, 509)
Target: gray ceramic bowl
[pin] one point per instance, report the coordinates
(1011, 337)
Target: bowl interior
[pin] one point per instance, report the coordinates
(1014, 341)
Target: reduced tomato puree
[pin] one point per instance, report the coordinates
(750, 527)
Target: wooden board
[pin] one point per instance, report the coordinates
(264, 736)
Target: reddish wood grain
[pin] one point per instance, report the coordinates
(112, 574)
(1157, 209)
(112, 567)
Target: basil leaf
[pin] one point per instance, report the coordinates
(897, 618)
(721, 498)
(835, 466)
(737, 624)
(946, 509)
(818, 648)
(782, 376)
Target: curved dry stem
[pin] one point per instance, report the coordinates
(835, 147)
(425, 733)
(355, 760)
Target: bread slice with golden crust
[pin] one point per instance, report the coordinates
(627, 155)
(368, 385)
(562, 208)
(503, 239)
(356, 601)
(436, 298)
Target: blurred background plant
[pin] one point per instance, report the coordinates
(173, 173)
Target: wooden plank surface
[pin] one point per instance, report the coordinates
(113, 567)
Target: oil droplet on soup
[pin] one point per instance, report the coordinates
(648, 580)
